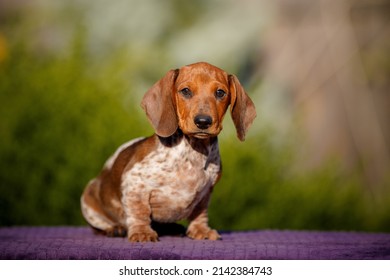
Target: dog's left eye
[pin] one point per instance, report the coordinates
(220, 94)
(186, 92)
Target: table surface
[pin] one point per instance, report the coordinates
(81, 243)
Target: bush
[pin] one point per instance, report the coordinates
(61, 118)
(258, 189)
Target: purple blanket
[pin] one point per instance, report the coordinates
(82, 243)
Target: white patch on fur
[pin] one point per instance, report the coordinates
(93, 218)
(116, 203)
(110, 162)
(178, 177)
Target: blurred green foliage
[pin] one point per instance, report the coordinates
(60, 119)
(259, 189)
(61, 116)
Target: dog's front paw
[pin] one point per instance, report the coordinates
(202, 232)
(142, 234)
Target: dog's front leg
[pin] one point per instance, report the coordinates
(138, 213)
(198, 227)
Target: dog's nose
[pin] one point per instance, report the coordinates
(203, 121)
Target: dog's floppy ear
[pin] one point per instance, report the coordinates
(241, 107)
(158, 105)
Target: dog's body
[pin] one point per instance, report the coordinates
(169, 176)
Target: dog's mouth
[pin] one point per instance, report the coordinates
(202, 135)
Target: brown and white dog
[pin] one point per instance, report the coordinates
(169, 176)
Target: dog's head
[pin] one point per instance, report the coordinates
(195, 99)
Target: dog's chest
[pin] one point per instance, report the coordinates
(175, 178)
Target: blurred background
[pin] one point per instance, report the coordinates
(72, 74)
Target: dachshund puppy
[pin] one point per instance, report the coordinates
(170, 175)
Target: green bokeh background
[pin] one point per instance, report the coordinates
(68, 100)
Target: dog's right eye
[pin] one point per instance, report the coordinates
(186, 92)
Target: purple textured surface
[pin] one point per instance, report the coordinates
(82, 243)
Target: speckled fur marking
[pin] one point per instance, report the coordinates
(170, 181)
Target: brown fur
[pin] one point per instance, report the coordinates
(170, 175)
